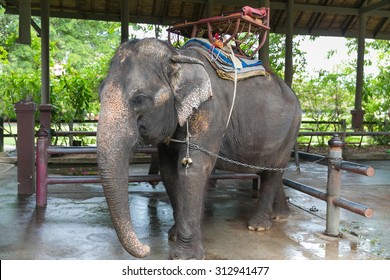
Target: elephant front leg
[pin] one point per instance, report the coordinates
(186, 189)
(188, 196)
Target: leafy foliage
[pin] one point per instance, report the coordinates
(82, 48)
(277, 48)
(329, 95)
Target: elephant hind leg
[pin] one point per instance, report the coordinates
(280, 209)
(269, 204)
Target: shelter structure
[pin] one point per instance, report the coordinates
(347, 18)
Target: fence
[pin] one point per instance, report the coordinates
(340, 127)
(4, 135)
(27, 174)
(305, 131)
(332, 196)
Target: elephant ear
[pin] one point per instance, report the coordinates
(190, 84)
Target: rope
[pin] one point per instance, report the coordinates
(233, 59)
(235, 83)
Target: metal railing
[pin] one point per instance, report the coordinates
(31, 175)
(43, 179)
(305, 131)
(331, 196)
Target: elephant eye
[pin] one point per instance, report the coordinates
(139, 99)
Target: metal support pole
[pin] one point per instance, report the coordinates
(334, 186)
(41, 162)
(25, 116)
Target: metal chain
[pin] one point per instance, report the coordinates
(187, 160)
(262, 168)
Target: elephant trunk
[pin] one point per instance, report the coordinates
(113, 160)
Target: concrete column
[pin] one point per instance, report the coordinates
(288, 68)
(124, 21)
(24, 22)
(25, 116)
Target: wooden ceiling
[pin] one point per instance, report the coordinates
(311, 17)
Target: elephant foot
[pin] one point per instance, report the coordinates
(187, 252)
(259, 224)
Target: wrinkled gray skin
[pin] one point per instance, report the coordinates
(149, 93)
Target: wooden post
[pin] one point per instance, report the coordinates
(288, 67)
(25, 116)
(358, 113)
(24, 22)
(264, 51)
(45, 116)
(124, 21)
(45, 53)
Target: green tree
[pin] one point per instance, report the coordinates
(82, 48)
(277, 46)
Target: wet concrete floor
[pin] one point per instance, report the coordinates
(76, 223)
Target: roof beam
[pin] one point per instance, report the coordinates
(373, 10)
(332, 32)
(379, 26)
(374, 7)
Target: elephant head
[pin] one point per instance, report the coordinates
(149, 91)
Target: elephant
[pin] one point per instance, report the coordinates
(155, 94)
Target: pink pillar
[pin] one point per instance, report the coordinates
(25, 116)
(42, 144)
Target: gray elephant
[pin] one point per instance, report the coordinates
(174, 99)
